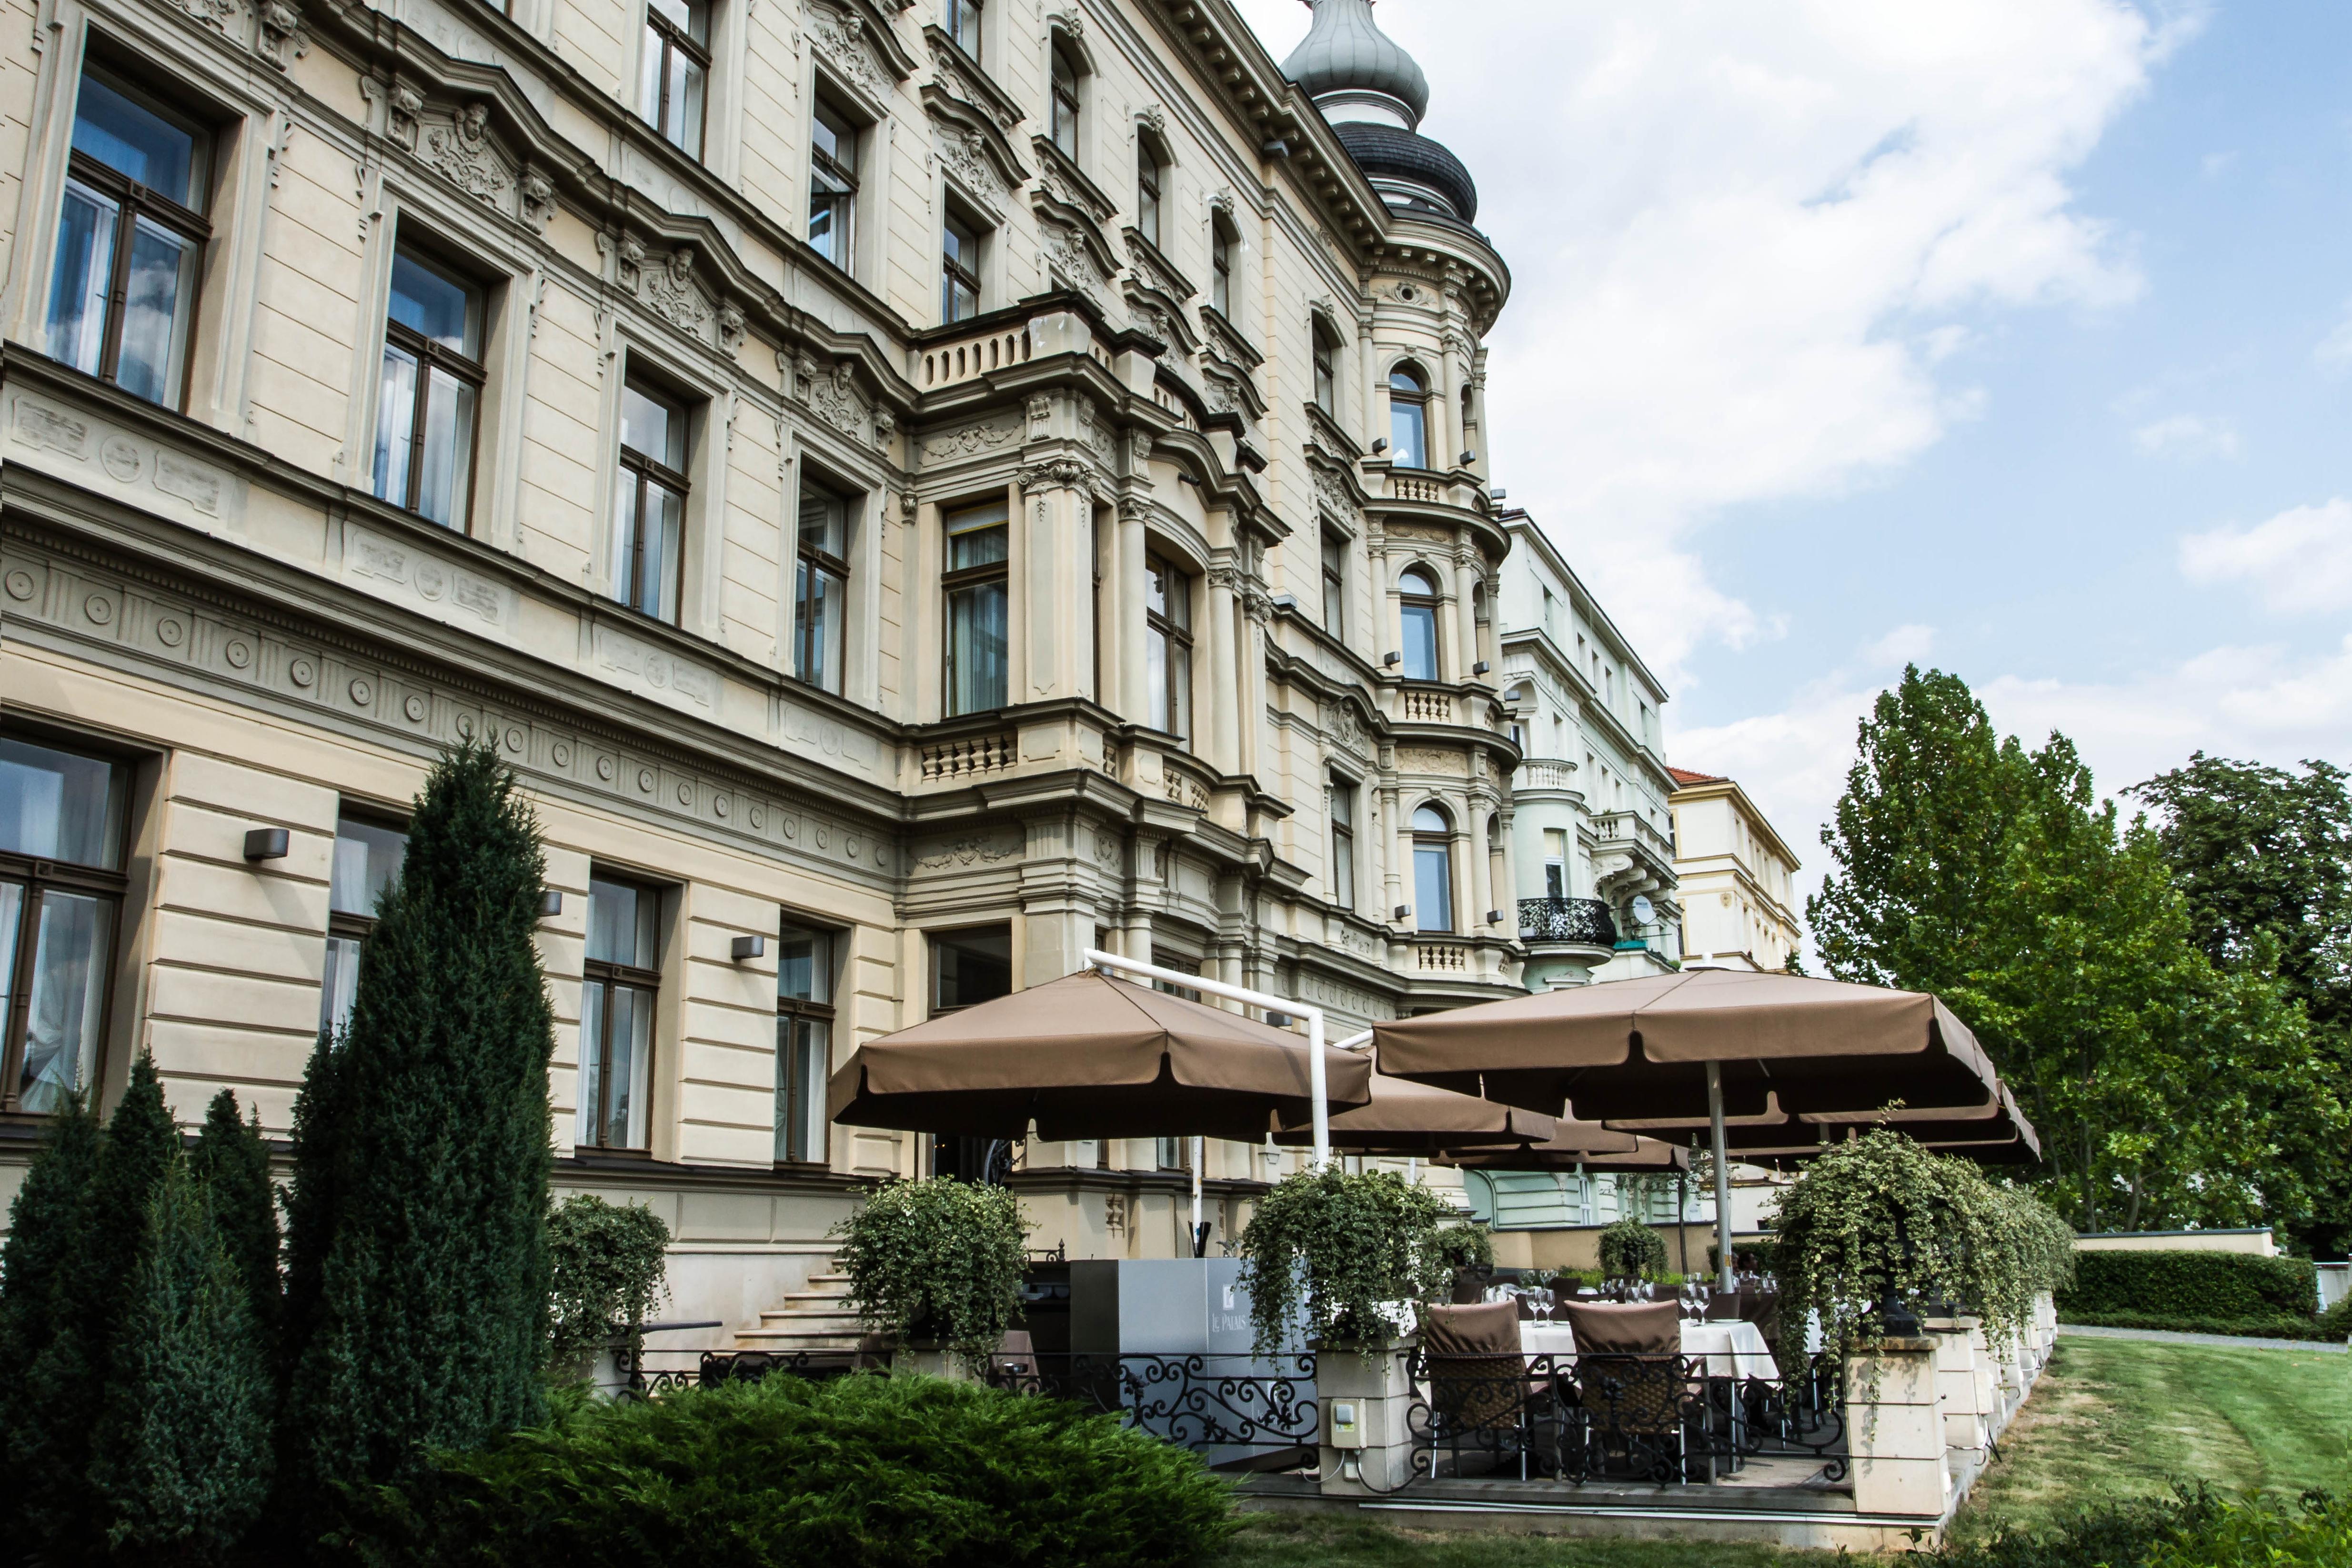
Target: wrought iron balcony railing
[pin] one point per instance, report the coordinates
(1583, 920)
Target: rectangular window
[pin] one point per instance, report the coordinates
(368, 856)
(130, 241)
(424, 417)
(1327, 375)
(61, 887)
(1433, 887)
(1173, 1153)
(1555, 863)
(675, 70)
(1343, 842)
(821, 596)
(650, 502)
(959, 271)
(1221, 269)
(1147, 194)
(963, 24)
(620, 984)
(969, 967)
(832, 184)
(1334, 585)
(1066, 102)
(804, 960)
(975, 581)
(1168, 647)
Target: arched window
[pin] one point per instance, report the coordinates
(1418, 591)
(1065, 101)
(1408, 419)
(1433, 869)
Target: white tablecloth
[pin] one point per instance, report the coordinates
(1731, 1349)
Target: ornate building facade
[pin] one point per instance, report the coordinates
(1738, 878)
(916, 487)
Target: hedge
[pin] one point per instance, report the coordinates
(2181, 1284)
(2268, 1328)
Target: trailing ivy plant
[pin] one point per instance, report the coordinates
(1342, 1245)
(938, 1261)
(1632, 1250)
(1466, 1249)
(607, 1263)
(1881, 1212)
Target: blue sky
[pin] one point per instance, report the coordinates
(2011, 335)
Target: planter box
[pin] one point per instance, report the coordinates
(1365, 1443)
(1895, 1431)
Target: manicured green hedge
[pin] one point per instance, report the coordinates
(900, 1470)
(2271, 1328)
(2193, 1529)
(2181, 1284)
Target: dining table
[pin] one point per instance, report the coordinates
(1732, 1349)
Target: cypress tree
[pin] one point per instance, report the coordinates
(46, 1238)
(231, 1163)
(180, 1466)
(67, 1382)
(311, 1200)
(420, 1291)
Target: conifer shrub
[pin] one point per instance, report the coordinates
(785, 1473)
(416, 1290)
(36, 1314)
(232, 1165)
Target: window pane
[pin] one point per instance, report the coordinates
(972, 966)
(822, 616)
(1343, 868)
(367, 861)
(1419, 643)
(155, 312)
(825, 523)
(341, 986)
(1180, 692)
(1433, 887)
(433, 305)
(803, 1059)
(395, 424)
(653, 427)
(441, 486)
(129, 137)
(85, 270)
(963, 21)
(55, 805)
(976, 632)
(1408, 448)
(976, 536)
(11, 927)
(692, 18)
(1429, 819)
(664, 530)
(631, 1067)
(650, 79)
(625, 534)
(804, 965)
(685, 127)
(584, 1122)
(69, 995)
(620, 925)
(1155, 676)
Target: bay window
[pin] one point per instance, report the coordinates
(130, 241)
(621, 982)
(805, 969)
(61, 888)
(976, 587)
(432, 387)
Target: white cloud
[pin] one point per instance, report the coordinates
(1903, 645)
(2299, 563)
(2334, 350)
(2189, 436)
(1743, 235)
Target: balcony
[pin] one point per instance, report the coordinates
(1580, 923)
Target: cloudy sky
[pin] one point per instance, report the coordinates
(2010, 336)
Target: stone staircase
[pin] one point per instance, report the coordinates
(816, 1319)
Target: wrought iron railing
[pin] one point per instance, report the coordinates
(656, 1371)
(1243, 1411)
(1584, 921)
(1661, 1420)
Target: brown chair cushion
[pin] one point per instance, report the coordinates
(1477, 1379)
(1652, 1328)
(1491, 1328)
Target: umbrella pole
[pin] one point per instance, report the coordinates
(1724, 1279)
(1199, 1151)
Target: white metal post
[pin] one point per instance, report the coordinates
(1200, 1153)
(1722, 1178)
(1317, 1085)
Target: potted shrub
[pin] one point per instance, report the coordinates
(935, 1265)
(1338, 1247)
(1632, 1250)
(605, 1269)
(1467, 1253)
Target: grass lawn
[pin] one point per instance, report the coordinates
(2110, 1418)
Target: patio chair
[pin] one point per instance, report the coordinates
(1722, 1307)
(1630, 1388)
(1479, 1392)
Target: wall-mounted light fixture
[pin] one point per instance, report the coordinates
(550, 903)
(1391, 659)
(1468, 458)
(1402, 911)
(1498, 493)
(1379, 447)
(1275, 148)
(1481, 667)
(266, 844)
(748, 947)
(1494, 917)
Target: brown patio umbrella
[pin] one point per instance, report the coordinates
(1990, 1133)
(1089, 1057)
(1576, 1144)
(1408, 1118)
(1714, 1043)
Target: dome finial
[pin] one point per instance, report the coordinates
(1355, 71)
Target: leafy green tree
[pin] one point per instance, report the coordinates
(180, 1466)
(419, 1270)
(231, 1163)
(46, 1241)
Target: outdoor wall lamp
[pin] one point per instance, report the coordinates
(1276, 148)
(1498, 493)
(1481, 667)
(1391, 659)
(550, 903)
(1402, 911)
(1494, 917)
(1468, 458)
(748, 947)
(1379, 447)
(266, 844)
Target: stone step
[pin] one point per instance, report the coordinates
(774, 1320)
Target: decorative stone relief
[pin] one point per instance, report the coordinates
(461, 151)
(1333, 492)
(1068, 259)
(971, 441)
(828, 737)
(1041, 416)
(1059, 475)
(950, 73)
(965, 154)
(214, 14)
(1428, 760)
(971, 849)
(537, 200)
(671, 292)
(654, 672)
(840, 37)
(391, 568)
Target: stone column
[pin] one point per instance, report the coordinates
(1052, 584)
(1466, 624)
(1367, 1438)
(1218, 731)
(1895, 1432)
(1123, 611)
(1482, 870)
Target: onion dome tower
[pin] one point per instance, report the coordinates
(1374, 95)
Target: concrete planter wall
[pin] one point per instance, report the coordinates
(1367, 1436)
(1894, 1428)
